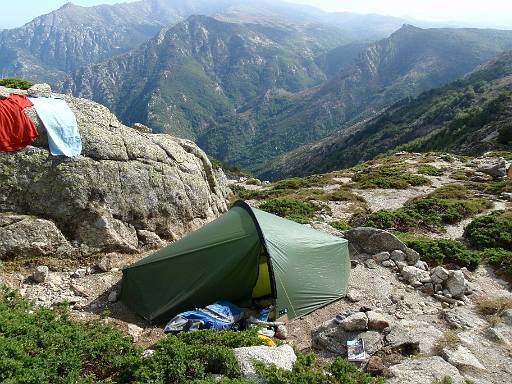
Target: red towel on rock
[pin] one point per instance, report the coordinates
(16, 129)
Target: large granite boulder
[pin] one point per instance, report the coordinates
(124, 184)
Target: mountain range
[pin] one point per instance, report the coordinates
(272, 87)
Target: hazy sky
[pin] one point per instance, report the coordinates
(497, 13)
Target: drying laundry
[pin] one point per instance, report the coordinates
(61, 126)
(16, 129)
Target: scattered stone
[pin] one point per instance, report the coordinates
(506, 196)
(427, 288)
(355, 322)
(370, 264)
(381, 256)
(79, 273)
(135, 331)
(353, 296)
(398, 255)
(373, 240)
(79, 290)
(412, 256)
(283, 357)
(439, 275)
(112, 296)
(400, 264)
(421, 265)
(462, 358)
(149, 240)
(281, 332)
(424, 370)
(105, 264)
(493, 167)
(40, 274)
(388, 264)
(456, 284)
(415, 275)
(376, 321)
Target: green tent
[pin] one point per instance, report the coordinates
(227, 260)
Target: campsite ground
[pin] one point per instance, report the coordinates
(334, 199)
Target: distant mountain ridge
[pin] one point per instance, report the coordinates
(72, 36)
(469, 116)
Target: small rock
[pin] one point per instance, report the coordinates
(40, 274)
(412, 256)
(398, 255)
(353, 296)
(381, 256)
(388, 264)
(134, 331)
(283, 357)
(375, 366)
(427, 288)
(105, 264)
(370, 264)
(142, 128)
(281, 332)
(376, 321)
(462, 358)
(401, 264)
(80, 272)
(414, 275)
(78, 290)
(506, 316)
(112, 296)
(456, 284)
(493, 167)
(356, 322)
(421, 265)
(441, 273)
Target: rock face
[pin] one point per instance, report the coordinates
(125, 181)
(424, 370)
(494, 167)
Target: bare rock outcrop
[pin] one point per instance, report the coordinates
(126, 184)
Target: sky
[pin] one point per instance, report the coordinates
(492, 13)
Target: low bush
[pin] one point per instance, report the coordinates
(308, 370)
(340, 225)
(388, 177)
(444, 251)
(499, 258)
(342, 194)
(491, 231)
(430, 170)
(296, 210)
(11, 82)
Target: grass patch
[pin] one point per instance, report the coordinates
(11, 82)
(387, 177)
(343, 194)
(444, 251)
(308, 370)
(430, 170)
(296, 210)
(492, 187)
(491, 231)
(491, 308)
(450, 339)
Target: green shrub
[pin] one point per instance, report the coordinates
(443, 251)
(39, 345)
(499, 258)
(340, 225)
(430, 170)
(343, 195)
(296, 210)
(11, 82)
(388, 177)
(491, 231)
(308, 370)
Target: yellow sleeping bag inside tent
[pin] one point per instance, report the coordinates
(262, 287)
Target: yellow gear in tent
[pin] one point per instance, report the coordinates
(267, 341)
(262, 287)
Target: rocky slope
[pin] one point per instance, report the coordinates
(127, 191)
(469, 116)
